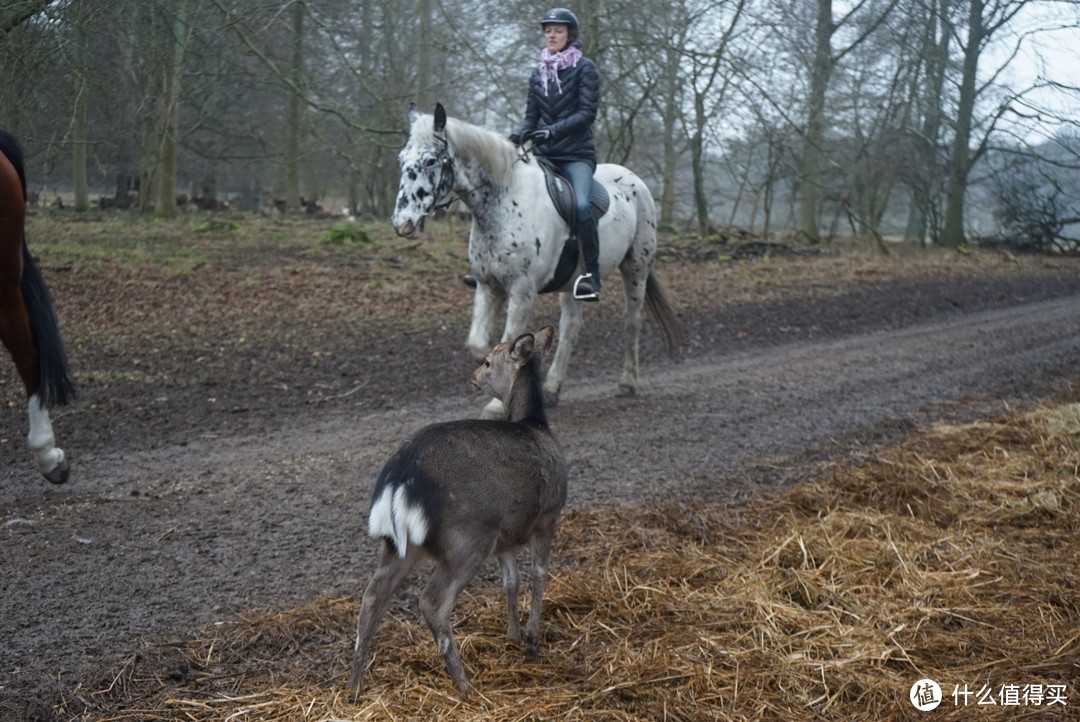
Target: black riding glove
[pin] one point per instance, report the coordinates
(538, 136)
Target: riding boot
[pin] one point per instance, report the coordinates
(587, 285)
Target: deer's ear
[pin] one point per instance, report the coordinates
(440, 118)
(545, 337)
(522, 348)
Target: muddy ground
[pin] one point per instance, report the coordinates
(222, 460)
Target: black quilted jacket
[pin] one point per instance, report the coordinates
(569, 114)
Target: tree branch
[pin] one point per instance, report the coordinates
(15, 13)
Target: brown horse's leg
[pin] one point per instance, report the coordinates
(16, 333)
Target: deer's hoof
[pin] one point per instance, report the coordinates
(532, 647)
(464, 687)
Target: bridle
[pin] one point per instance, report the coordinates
(448, 167)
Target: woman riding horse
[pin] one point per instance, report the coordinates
(564, 92)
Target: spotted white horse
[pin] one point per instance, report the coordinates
(517, 237)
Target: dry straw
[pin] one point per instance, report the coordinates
(952, 555)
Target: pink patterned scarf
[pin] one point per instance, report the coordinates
(551, 63)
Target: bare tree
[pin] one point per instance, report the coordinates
(1036, 202)
(295, 104)
(15, 12)
(984, 20)
(925, 169)
(178, 32)
(822, 64)
(80, 135)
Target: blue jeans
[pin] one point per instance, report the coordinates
(580, 175)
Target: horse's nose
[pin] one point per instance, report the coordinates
(408, 229)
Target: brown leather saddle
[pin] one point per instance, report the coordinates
(562, 195)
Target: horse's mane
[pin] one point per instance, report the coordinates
(494, 153)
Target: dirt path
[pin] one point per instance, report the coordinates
(145, 543)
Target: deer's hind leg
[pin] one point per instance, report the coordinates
(540, 549)
(511, 583)
(384, 582)
(437, 603)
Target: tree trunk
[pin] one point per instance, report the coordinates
(426, 60)
(292, 124)
(697, 154)
(165, 177)
(952, 235)
(811, 172)
(79, 128)
(927, 143)
(669, 117)
(79, 141)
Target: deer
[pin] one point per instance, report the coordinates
(461, 492)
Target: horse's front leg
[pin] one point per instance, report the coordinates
(519, 309)
(569, 328)
(42, 442)
(487, 301)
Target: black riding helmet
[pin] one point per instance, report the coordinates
(561, 16)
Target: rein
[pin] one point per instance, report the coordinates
(448, 166)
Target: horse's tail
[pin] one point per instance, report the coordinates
(54, 382)
(656, 298)
(55, 387)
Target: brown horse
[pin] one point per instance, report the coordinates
(27, 323)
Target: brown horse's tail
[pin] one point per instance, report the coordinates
(656, 298)
(55, 387)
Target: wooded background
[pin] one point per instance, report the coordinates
(931, 119)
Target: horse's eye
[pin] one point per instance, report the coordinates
(430, 162)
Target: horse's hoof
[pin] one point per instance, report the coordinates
(59, 475)
(551, 398)
(625, 391)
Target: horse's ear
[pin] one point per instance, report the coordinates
(440, 118)
(414, 113)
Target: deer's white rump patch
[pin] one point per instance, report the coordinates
(394, 518)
